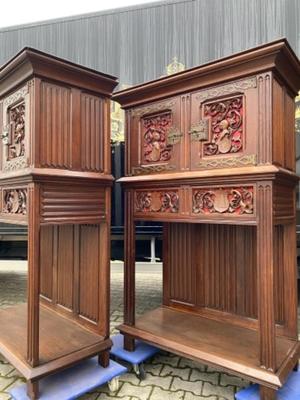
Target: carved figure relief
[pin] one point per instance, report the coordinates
(15, 201)
(223, 200)
(14, 134)
(157, 148)
(157, 201)
(226, 126)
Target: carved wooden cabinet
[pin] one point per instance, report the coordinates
(211, 154)
(55, 178)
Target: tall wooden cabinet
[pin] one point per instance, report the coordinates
(211, 154)
(55, 178)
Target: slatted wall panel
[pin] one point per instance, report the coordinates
(182, 273)
(55, 130)
(69, 282)
(211, 266)
(65, 266)
(92, 133)
(47, 253)
(89, 272)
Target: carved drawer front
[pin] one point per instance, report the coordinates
(14, 206)
(155, 138)
(157, 202)
(216, 202)
(223, 131)
(15, 130)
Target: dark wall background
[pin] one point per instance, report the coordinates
(137, 43)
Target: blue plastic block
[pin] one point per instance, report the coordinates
(290, 390)
(142, 351)
(73, 382)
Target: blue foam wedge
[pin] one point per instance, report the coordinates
(142, 351)
(289, 391)
(73, 382)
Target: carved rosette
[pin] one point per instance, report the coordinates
(226, 121)
(14, 201)
(237, 201)
(157, 201)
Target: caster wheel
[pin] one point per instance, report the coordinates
(139, 371)
(113, 385)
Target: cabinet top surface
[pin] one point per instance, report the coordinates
(31, 62)
(275, 56)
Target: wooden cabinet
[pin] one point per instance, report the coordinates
(55, 178)
(226, 197)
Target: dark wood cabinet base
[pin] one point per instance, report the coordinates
(267, 393)
(219, 344)
(75, 344)
(33, 389)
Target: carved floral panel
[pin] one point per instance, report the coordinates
(157, 201)
(226, 122)
(234, 200)
(156, 147)
(14, 201)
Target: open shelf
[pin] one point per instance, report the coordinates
(232, 348)
(62, 341)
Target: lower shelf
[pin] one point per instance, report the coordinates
(231, 348)
(62, 341)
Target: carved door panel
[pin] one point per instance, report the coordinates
(155, 137)
(15, 130)
(223, 132)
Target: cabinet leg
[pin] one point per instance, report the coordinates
(267, 393)
(103, 359)
(33, 389)
(129, 343)
(296, 366)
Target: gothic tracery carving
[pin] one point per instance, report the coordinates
(15, 201)
(155, 135)
(226, 126)
(157, 201)
(237, 200)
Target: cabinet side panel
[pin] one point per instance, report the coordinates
(212, 267)
(55, 126)
(278, 123)
(289, 133)
(46, 250)
(181, 264)
(279, 274)
(65, 266)
(91, 133)
(229, 269)
(89, 272)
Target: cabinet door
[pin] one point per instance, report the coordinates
(154, 137)
(15, 130)
(223, 131)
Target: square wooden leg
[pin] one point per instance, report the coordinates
(33, 389)
(267, 393)
(103, 359)
(129, 343)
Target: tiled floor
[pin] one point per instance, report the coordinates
(168, 376)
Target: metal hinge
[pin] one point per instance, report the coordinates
(174, 136)
(200, 130)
